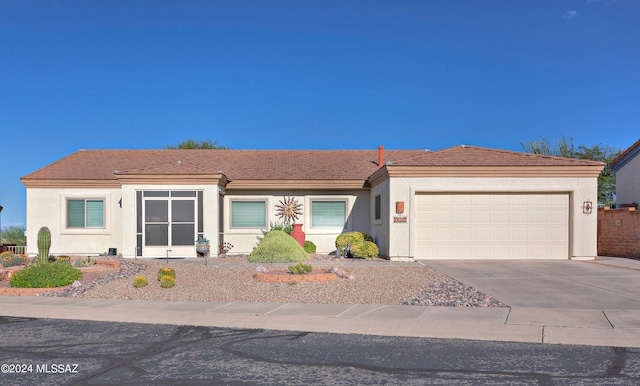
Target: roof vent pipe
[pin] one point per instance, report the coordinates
(380, 156)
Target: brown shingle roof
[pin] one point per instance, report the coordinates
(277, 164)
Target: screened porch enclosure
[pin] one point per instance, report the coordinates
(169, 222)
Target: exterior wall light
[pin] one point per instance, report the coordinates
(587, 207)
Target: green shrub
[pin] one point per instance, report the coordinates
(45, 276)
(84, 262)
(63, 259)
(278, 247)
(309, 247)
(140, 281)
(166, 272)
(167, 281)
(277, 226)
(364, 250)
(9, 259)
(300, 269)
(348, 238)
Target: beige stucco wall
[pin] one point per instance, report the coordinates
(583, 227)
(380, 228)
(244, 239)
(628, 182)
(46, 207)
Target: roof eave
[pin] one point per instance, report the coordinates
(297, 184)
(484, 171)
(626, 156)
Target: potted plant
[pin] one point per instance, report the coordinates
(202, 246)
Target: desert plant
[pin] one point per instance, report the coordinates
(349, 239)
(364, 250)
(300, 269)
(166, 272)
(309, 247)
(63, 259)
(44, 243)
(45, 276)
(140, 281)
(277, 226)
(9, 259)
(167, 281)
(84, 262)
(278, 247)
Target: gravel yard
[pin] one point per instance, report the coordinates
(231, 279)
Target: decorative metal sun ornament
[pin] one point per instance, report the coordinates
(289, 209)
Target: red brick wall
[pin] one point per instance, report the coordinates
(619, 232)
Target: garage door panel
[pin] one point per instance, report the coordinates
(519, 234)
(537, 217)
(519, 217)
(481, 217)
(500, 226)
(500, 251)
(462, 234)
(500, 234)
(444, 217)
(500, 216)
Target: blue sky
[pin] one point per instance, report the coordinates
(311, 75)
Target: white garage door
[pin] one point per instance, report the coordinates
(492, 226)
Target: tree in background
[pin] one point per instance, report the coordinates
(14, 235)
(191, 144)
(564, 148)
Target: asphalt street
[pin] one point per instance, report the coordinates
(66, 352)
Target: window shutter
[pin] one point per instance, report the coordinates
(248, 214)
(328, 213)
(75, 214)
(95, 214)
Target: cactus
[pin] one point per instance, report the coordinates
(166, 272)
(44, 243)
(167, 282)
(300, 269)
(139, 281)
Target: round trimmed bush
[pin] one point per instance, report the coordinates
(45, 276)
(351, 238)
(309, 247)
(278, 247)
(364, 250)
(348, 238)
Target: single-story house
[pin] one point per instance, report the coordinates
(627, 169)
(463, 202)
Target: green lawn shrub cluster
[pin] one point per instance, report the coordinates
(278, 247)
(309, 247)
(10, 259)
(48, 275)
(364, 250)
(361, 245)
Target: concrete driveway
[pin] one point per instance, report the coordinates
(602, 284)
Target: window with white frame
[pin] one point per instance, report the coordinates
(328, 214)
(85, 213)
(248, 214)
